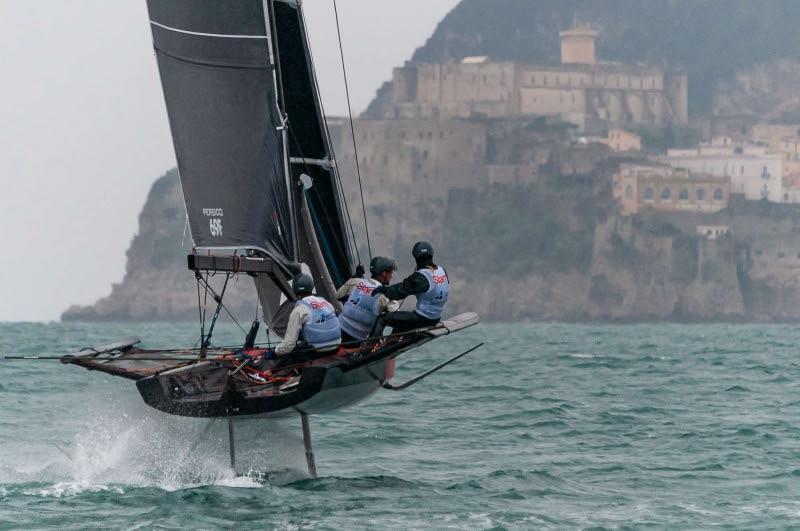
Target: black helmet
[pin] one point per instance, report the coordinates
(421, 250)
(303, 284)
(379, 264)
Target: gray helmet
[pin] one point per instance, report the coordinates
(379, 264)
(303, 284)
(421, 250)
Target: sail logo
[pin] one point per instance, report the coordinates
(216, 226)
(439, 279)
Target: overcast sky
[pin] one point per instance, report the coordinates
(83, 129)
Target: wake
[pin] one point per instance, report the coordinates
(137, 447)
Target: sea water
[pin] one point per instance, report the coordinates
(546, 426)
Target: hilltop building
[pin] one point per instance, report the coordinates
(754, 171)
(660, 187)
(582, 90)
(619, 140)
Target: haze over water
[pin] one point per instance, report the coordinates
(667, 426)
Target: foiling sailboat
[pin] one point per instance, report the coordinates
(263, 199)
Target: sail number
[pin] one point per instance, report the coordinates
(216, 226)
(215, 223)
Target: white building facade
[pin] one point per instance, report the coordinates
(754, 172)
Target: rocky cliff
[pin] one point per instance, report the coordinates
(553, 248)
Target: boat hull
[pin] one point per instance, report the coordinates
(321, 390)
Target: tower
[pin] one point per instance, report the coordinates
(578, 45)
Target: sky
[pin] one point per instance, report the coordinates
(84, 133)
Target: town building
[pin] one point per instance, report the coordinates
(713, 232)
(754, 172)
(639, 186)
(581, 90)
(619, 140)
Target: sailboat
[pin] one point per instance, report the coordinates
(263, 200)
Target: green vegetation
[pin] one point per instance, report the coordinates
(541, 228)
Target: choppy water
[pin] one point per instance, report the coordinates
(549, 426)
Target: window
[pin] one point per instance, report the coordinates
(666, 194)
(648, 194)
(629, 192)
(684, 194)
(718, 194)
(701, 194)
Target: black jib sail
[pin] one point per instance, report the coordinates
(247, 123)
(309, 144)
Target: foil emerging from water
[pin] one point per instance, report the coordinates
(131, 445)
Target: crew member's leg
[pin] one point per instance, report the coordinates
(349, 341)
(405, 321)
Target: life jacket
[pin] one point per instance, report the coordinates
(322, 327)
(361, 310)
(431, 303)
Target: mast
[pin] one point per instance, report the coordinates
(311, 153)
(247, 122)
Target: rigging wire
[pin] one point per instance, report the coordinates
(216, 296)
(352, 128)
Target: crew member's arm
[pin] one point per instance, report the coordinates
(413, 284)
(297, 319)
(387, 305)
(347, 288)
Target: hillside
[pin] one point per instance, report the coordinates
(551, 246)
(710, 39)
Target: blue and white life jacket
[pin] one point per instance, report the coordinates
(322, 327)
(361, 310)
(431, 303)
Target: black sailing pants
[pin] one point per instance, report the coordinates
(405, 321)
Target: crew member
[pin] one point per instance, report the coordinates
(312, 321)
(430, 285)
(363, 308)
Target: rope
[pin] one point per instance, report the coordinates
(352, 129)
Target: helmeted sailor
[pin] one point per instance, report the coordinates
(313, 320)
(429, 284)
(363, 308)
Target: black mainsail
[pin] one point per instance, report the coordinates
(247, 123)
